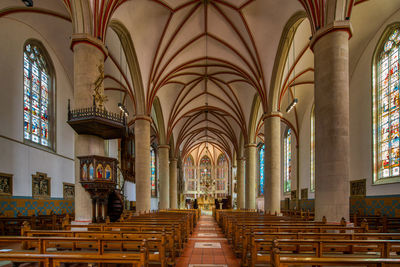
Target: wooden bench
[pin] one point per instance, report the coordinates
(55, 260)
(166, 237)
(261, 249)
(86, 247)
(179, 240)
(13, 225)
(284, 261)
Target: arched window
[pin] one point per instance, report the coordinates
(205, 174)
(190, 174)
(287, 161)
(38, 91)
(222, 173)
(312, 151)
(153, 175)
(386, 121)
(261, 183)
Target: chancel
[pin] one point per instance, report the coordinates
(199, 132)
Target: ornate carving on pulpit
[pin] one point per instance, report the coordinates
(98, 175)
(99, 96)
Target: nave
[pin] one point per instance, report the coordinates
(187, 238)
(207, 247)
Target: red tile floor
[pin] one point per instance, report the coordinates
(192, 255)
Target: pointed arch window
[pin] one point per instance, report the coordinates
(153, 172)
(261, 159)
(38, 92)
(287, 161)
(387, 106)
(205, 174)
(222, 173)
(312, 151)
(190, 174)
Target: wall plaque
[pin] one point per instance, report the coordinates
(6, 185)
(293, 195)
(304, 193)
(40, 185)
(358, 188)
(68, 191)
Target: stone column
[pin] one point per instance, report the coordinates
(241, 185)
(142, 163)
(331, 61)
(173, 183)
(251, 156)
(89, 53)
(272, 160)
(163, 156)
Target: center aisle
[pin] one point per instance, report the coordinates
(207, 247)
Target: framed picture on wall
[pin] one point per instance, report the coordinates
(68, 191)
(40, 185)
(358, 188)
(6, 184)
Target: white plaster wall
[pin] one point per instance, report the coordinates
(130, 191)
(154, 203)
(361, 118)
(17, 158)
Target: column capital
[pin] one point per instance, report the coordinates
(173, 159)
(90, 40)
(250, 145)
(163, 146)
(142, 117)
(338, 25)
(241, 158)
(271, 115)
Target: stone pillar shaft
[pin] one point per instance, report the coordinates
(251, 156)
(142, 163)
(331, 60)
(241, 185)
(87, 59)
(173, 184)
(163, 156)
(272, 160)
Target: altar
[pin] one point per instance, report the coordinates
(206, 202)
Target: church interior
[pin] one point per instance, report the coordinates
(199, 133)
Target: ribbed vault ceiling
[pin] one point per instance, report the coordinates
(206, 60)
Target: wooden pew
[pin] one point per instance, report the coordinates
(13, 225)
(260, 251)
(167, 239)
(284, 261)
(85, 249)
(55, 260)
(179, 239)
(378, 222)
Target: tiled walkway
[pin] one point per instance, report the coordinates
(207, 247)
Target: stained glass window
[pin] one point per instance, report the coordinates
(37, 83)
(312, 152)
(222, 172)
(153, 177)
(189, 174)
(261, 183)
(288, 160)
(387, 108)
(205, 171)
